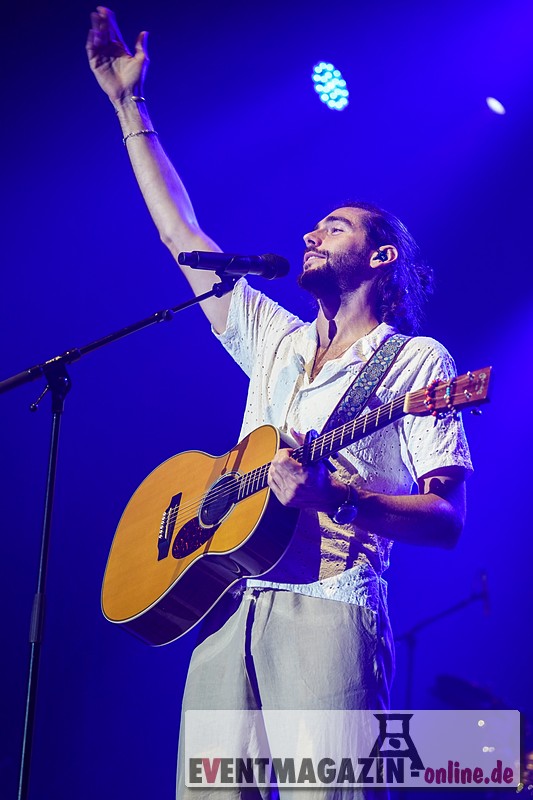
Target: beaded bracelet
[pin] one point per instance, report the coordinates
(139, 133)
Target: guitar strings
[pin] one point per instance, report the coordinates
(194, 504)
(258, 474)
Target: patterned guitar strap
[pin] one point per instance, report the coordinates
(360, 391)
(364, 386)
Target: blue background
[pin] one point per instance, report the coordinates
(230, 93)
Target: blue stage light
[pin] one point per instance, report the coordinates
(330, 86)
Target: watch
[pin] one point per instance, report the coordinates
(347, 511)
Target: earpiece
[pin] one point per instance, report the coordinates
(381, 256)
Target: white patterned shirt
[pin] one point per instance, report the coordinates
(276, 350)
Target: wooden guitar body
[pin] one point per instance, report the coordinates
(182, 542)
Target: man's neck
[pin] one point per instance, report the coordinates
(345, 318)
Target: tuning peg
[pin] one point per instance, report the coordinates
(477, 412)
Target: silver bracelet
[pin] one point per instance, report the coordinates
(135, 97)
(150, 132)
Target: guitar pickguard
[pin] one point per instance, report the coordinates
(190, 538)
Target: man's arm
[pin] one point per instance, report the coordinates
(434, 517)
(121, 76)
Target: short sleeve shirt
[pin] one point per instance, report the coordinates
(276, 350)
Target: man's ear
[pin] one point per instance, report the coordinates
(386, 254)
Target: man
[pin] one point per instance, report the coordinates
(313, 633)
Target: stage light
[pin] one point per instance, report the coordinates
(330, 86)
(495, 105)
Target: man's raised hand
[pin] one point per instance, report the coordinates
(118, 72)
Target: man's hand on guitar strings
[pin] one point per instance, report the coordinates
(312, 487)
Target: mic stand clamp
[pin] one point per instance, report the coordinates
(227, 282)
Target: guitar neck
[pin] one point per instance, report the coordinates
(439, 397)
(327, 444)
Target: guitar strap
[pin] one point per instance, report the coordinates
(366, 383)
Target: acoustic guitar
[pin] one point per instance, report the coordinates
(199, 523)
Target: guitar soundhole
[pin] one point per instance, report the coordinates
(216, 505)
(219, 500)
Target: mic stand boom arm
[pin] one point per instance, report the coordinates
(219, 290)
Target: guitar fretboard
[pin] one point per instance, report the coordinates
(327, 444)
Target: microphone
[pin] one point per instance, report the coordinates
(268, 266)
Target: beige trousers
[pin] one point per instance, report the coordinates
(279, 650)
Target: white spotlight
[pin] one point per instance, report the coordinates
(495, 105)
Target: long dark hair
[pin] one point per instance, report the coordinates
(403, 287)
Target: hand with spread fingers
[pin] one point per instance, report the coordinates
(117, 70)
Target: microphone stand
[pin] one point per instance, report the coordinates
(410, 636)
(58, 384)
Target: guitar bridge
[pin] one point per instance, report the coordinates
(166, 529)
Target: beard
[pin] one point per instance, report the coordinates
(338, 272)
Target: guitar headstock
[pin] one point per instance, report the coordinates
(465, 391)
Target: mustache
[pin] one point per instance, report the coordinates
(322, 254)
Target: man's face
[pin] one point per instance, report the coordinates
(337, 254)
